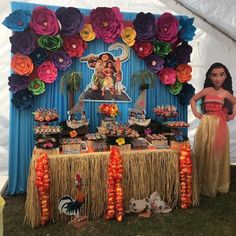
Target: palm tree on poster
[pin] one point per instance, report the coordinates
(144, 79)
(70, 82)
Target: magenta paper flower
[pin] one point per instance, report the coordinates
(107, 23)
(167, 28)
(44, 21)
(168, 76)
(47, 72)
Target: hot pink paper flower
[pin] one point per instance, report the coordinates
(167, 28)
(47, 72)
(44, 21)
(168, 76)
(107, 23)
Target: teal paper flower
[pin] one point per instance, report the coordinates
(18, 20)
(187, 29)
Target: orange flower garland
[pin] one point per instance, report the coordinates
(115, 194)
(43, 184)
(185, 165)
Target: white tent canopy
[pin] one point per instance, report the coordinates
(215, 41)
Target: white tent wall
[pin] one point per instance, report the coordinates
(209, 46)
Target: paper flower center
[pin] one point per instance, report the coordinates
(154, 63)
(105, 24)
(48, 71)
(45, 23)
(60, 59)
(140, 49)
(74, 46)
(19, 22)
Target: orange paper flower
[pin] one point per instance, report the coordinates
(21, 64)
(183, 73)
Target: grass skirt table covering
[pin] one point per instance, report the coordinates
(145, 171)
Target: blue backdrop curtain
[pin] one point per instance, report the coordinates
(21, 141)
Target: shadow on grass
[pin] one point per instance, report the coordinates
(214, 216)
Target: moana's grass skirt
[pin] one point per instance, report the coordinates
(211, 150)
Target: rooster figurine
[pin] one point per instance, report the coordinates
(70, 206)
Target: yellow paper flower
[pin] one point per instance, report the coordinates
(120, 141)
(87, 33)
(128, 35)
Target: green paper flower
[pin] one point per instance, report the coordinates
(36, 86)
(175, 88)
(51, 43)
(162, 48)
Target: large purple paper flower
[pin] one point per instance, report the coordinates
(44, 21)
(183, 53)
(145, 26)
(17, 82)
(167, 28)
(22, 42)
(71, 19)
(23, 99)
(61, 60)
(107, 23)
(155, 63)
(18, 20)
(187, 29)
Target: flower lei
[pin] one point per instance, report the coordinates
(42, 182)
(44, 41)
(115, 194)
(185, 165)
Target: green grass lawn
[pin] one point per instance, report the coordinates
(214, 216)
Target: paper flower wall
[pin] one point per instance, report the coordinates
(45, 41)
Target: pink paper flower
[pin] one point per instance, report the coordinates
(107, 23)
(167, 28)
(44, 21)
(47, 72)
(168, 76)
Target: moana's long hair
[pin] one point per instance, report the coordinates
(227, 85)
